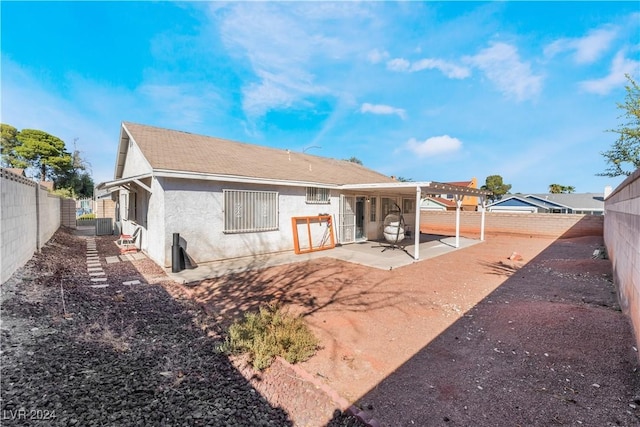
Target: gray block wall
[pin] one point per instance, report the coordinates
(29, 216)
(622, 238)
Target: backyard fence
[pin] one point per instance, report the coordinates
(527, 224)
(29, 215)
(622, 238)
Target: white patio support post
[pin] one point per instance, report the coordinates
(416, 232)
(458, 206)
(483, 209)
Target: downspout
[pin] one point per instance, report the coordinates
(416, 232)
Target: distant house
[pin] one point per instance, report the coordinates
(468, 202)
(430, 203)
(229, 199)
(17, 171)
(576, 203)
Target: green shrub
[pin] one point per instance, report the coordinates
(87, 216)
(270, 333)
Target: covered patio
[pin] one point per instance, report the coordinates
(418, 190)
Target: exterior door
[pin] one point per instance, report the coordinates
(360, 232)
(347, 219)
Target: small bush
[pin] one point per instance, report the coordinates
(270, 333)
(87, 216)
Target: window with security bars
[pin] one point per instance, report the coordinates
(250, 211)
(318, 195)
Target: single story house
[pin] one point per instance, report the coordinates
(576, 203)
(229, 199)
(432, 203)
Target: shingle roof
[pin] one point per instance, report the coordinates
(576, 201)
(186, 152)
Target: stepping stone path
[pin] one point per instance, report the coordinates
(94, 267)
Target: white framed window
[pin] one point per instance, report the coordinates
(247, 211)
(318, 195)
(408, 206)
(373, 209)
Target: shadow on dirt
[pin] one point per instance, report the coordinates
(549, 346)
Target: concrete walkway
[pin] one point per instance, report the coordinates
(370, 253)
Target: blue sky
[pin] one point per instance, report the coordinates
(439, 91)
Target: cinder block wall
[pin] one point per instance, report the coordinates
(105, 208)
(28, 218)
(19, 222)
(50, 215)
(541, 225)
(622, 238)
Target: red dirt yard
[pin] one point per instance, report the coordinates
(467, 338)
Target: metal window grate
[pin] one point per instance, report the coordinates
(250, 211)
(318, 195)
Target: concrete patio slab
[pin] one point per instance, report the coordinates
(374, 254)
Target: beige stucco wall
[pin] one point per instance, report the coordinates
(135, 163)
(622, 238)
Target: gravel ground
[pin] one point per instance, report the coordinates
(117, 356)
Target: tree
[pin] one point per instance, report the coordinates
(44, 152)
(558, 189)
(49, 157)
(77, 177)
(355, 160)
(626, 150)
(495, 184)
(9, 143)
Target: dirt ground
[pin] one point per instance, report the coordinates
(470, 338)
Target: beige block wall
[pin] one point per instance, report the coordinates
(622, 238)
(539, 225)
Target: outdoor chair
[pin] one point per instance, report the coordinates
(127, 242)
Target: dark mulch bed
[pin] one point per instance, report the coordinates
(118, 356)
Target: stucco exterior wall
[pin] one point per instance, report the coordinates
(195, 210)
(622, 238)
(135, 163)
(155, 238)
(536, 224)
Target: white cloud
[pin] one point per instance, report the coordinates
(586, 49)
(382, 109)
(398, 64)
(449, 69)
(434, 146)
(375, 56)
(616, 77)
(502, 66)
(281, 46)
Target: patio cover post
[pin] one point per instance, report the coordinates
(482, 207)
(416, 249)
(458, 198)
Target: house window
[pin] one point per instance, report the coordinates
(250, 211)
(132, 207)
(373, 208)
(387, 206)
(318, 195)
(408, 206)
